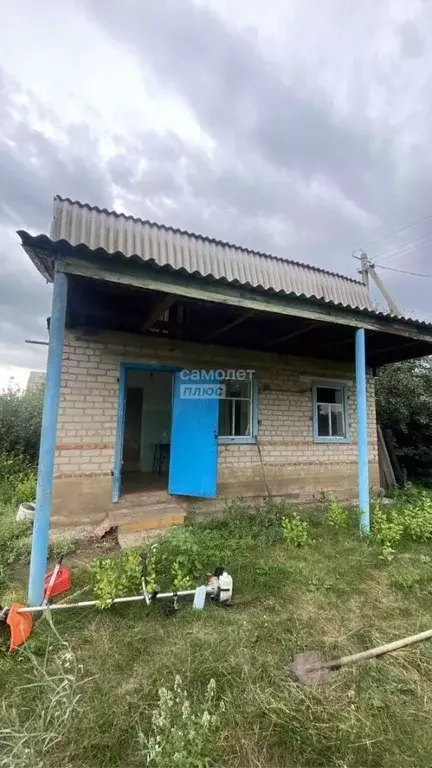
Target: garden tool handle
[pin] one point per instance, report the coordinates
(52, 580)
(372, 653)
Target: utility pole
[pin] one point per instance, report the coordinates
(364, 268)
(393, 307)
(368, 269)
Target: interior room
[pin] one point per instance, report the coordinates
(147, 430)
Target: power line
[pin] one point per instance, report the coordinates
(408, 253)
(403, 271)
(396, 232)
(401, 248)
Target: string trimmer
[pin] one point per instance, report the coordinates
(19, 617)
(310, 668)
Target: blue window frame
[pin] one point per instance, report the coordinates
(330, 412)
(238, 412)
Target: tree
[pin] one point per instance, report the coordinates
(20, 422)
(404, 406)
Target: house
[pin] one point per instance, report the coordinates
(184, 370)
(35, 381)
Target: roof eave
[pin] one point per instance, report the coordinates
(43, 252)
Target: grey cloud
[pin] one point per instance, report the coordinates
(411, 40)
(276, 132)
(33, 168)
(242, 99)
(24, 307)
(286, 172)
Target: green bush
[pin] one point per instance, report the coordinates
(252, 524)
(177, 559)
(337, 515)
(116, 577)
(17, 479)
(406, 579)
(416, 517)
(15, 542)
(386, 531)
(407, 517)
(20, 422)
(296, 531)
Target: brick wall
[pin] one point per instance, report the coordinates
(291, 462)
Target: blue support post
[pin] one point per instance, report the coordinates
(362, 431)
(40, 541)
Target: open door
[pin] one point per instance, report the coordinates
(194, 439)
(118, 453)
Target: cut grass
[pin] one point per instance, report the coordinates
(334, 595)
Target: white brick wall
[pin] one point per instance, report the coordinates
(89, 400)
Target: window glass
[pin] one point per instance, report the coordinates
(329, 395)
(337, 421)
(242, 419)
(235, 409)
(323, 421)
(225, 417)
(330, 417)
(239, 389)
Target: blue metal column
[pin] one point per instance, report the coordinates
(39, 553)
(362, 431)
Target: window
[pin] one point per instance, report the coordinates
(330, 413)
(237, 412)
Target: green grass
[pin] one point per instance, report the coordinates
(335, 595)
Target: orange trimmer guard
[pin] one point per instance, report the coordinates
(62, 583)
(20, 626)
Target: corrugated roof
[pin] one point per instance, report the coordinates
(82, 224)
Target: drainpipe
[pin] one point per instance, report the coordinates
(362, 431)
(40, 540)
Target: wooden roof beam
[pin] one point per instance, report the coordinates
(375, 352)
(159, 308)
(292, 335)
(228, 326)
(162, 281)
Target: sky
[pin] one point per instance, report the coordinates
(299, 129)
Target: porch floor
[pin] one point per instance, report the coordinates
(145, 504)
(141, 482)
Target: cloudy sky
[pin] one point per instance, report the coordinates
(298, 128)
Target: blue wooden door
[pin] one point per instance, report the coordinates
(118, 453)
(194, 447)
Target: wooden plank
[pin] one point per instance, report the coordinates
(158, 280)
(165, 303)
(292, 335)
(375, 352)
(387, 476)
(228, 326)
(397, 469)
(149, 523)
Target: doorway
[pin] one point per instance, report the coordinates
(167, 431)
(147, 430)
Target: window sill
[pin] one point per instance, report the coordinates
(237, 440)
(332, 440)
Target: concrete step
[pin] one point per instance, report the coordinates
(133, 519)
(146, 499)
(58, 521)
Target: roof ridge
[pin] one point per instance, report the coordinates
(206, 238)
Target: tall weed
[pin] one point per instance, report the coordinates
(43, 711)
(182, 732)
